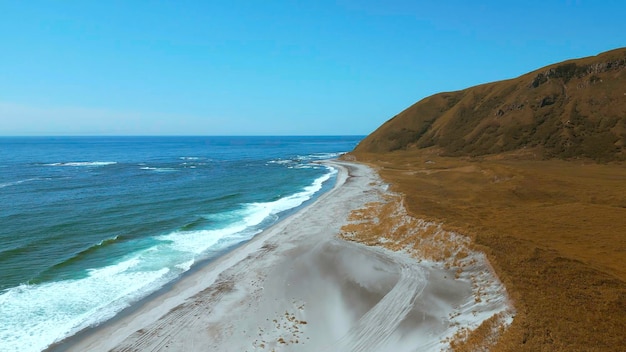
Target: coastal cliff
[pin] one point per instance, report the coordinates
(532, 170)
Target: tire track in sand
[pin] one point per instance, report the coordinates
(373, 329)
(161, 333)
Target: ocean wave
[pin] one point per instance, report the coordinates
(84, 163)
(281, 161)
(226, 197)
(36, 316)
(240, 227)
(159, 169)
(76, 258)
(191, 165)
(15, 183)
(305, 161)
(198, 222)
(322, 156)
(262, 210)
(306, 166)
(243, 223)
(96, 247)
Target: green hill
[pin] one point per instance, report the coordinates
(572, 109)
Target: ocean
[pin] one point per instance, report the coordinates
(91, 225)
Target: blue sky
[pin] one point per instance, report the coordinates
(270, 67)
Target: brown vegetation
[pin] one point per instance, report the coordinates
(554, 230)
(483, 338)
(387, 224)
(571, 109)
(514, 165)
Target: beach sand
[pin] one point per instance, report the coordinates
(299, 286)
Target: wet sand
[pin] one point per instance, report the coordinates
(298, 286)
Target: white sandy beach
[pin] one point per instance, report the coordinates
(298, 287)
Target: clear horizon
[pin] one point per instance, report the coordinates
(269, 69)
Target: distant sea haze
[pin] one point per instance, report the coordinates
(92, 224)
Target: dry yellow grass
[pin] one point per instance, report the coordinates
(570, 109)
(483, 338)
(555, 232)
(388, 225)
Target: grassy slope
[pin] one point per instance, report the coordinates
(571, 109)
(555, 230)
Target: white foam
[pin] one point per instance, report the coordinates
(186, 265)
(110, 239)
(15, 183)
(35, 316)
(280, 161)
(84, 163)
(242, 223)
(289, 202)
(197, 242)
(158, 169)
(302, 161)
(325, 155)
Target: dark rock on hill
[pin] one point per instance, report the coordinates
(572, 109)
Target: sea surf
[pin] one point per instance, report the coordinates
(92, 225)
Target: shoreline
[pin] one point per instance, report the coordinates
(176, 292)
(297, 285)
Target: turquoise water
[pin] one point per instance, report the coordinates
(91, 225)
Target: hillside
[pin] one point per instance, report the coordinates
(572, 109)
(546, 199)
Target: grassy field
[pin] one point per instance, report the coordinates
(554, 231)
